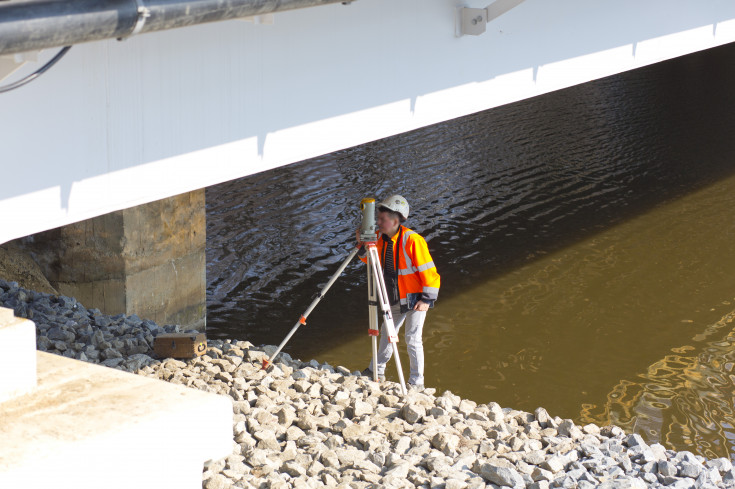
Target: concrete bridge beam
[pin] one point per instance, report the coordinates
(219, 101)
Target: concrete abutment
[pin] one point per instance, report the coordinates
(74, 425)
(147, 260)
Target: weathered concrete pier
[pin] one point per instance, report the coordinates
(147, 260)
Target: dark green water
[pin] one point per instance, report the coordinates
(585, 240)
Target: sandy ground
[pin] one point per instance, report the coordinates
(16, 265)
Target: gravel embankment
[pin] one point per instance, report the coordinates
(308, 425)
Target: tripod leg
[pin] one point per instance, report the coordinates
(302, 319)
(373, 328)
(400, 369)
(384, 303)
(375, 358)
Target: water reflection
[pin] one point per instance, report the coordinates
(560, 330)
(684, 400)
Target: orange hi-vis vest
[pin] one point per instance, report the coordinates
(416, 270)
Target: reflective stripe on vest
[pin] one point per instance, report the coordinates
(409, 266)
(411, 279)
(425, 266)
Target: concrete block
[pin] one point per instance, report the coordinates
(18, 360)
(6, 315)
(148, 260)
(88, 426)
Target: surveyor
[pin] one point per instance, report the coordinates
(411, 281)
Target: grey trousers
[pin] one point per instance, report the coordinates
(414, 321)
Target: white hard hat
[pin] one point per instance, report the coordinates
(396, 203)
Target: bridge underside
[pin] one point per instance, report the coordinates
(118, 124)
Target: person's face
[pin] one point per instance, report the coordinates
(387, 223)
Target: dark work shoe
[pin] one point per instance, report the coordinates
(368, 372)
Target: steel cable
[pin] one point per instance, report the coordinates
(36, 73)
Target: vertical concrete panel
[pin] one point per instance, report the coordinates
(165, 263)
(84, 260)
(147, 260)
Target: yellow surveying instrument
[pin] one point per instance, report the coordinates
(378, 303)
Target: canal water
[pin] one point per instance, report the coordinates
(585, 241)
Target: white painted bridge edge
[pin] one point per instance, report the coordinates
(117, 124)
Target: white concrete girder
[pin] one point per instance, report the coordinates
(115, 125)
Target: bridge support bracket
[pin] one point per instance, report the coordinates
(473, 21)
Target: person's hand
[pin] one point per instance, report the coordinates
(357, 237)
(421, 306)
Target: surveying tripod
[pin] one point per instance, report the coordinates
(378, 303)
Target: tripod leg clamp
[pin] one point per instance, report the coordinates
(302, 320)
